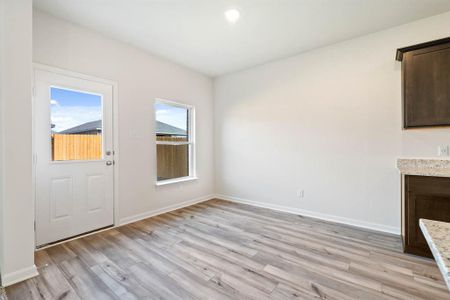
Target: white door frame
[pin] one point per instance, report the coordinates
(115, 118)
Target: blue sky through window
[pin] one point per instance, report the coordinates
(72, 108)
(172, 115)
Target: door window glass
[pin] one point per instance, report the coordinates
(76, 125)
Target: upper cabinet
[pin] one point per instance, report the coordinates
(426, 83)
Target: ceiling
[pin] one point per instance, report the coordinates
(194, 33)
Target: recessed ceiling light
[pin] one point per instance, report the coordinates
(232, 15)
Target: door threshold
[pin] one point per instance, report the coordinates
(81, 235)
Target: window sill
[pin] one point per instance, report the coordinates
(176, 180)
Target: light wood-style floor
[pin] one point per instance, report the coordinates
(222, 250)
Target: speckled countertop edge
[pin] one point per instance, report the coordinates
(437, 235)
(424, 166)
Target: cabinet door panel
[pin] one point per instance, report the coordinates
(426, 87)
(425, 198)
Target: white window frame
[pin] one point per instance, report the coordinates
(191, 143)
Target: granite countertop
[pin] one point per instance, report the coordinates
(424, 166)
(437, 235)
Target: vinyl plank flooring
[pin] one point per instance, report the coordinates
(223, 250)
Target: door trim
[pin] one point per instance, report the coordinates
(115, 128)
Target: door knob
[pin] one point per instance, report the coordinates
(108, 163)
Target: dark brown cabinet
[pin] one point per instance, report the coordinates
(426, 83)
(425, 197)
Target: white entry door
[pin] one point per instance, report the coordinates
(74, 161)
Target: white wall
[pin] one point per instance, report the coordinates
(141, 78)
(327, 122)
(16, 202)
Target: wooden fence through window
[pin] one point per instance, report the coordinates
(172, 161)
(76, 146)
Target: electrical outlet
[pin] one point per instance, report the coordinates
(443, 150)
(300, 193)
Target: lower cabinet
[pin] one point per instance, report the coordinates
(424, 197)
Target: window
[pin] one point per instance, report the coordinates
(76, 125)
(174, 141)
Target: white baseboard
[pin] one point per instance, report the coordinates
(163, 210)
(317, 215)
(20, 275)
